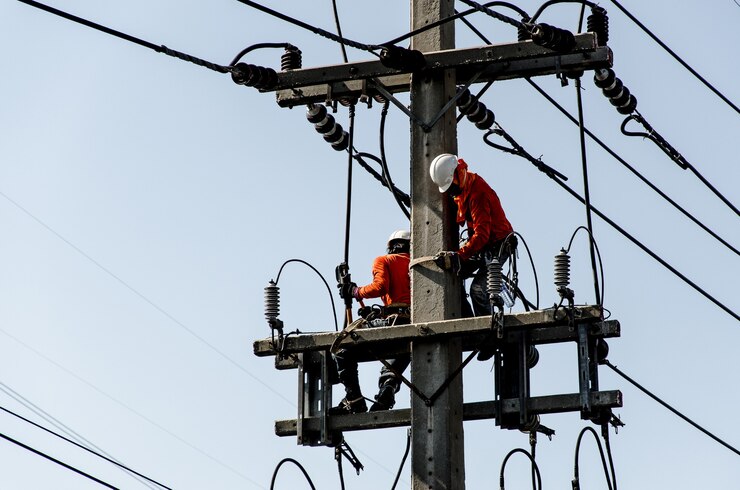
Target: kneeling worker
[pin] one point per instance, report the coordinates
(392, 284)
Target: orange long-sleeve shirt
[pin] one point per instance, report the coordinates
(391, 281)
(479, 205)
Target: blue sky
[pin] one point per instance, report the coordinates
(146, 202)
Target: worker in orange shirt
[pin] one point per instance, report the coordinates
(392, 284)
(489, 232)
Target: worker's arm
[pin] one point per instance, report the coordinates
(379, 286)
(482, 225)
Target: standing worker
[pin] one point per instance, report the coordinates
(392, 284)
(489, 232)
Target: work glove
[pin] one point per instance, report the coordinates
(347, 290)
(449, 261)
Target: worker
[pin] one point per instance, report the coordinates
(392, 284)
(489, 232)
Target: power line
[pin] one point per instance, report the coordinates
(159, 49)
(61, 463)
(83, 447)
(675, 56)
(676, 412)
(61, 426)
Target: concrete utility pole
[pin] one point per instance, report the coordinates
(437, 446)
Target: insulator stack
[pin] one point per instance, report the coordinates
(598, 23)
(402, 58)
(272, 303)
(522, 32)
(613, 88)
(476, 111)
(325, 125)
(259, 77)
(291, 59)
(553, 37)
(495, 278)
(562, 270)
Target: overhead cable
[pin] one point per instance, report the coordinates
(300, 467)
(159, 49)
(538, 163)
(384, 163)
(576, 475)
(553, 2)
(339, 30)
(60, 463)
(403, 459)
(666, 405)
(492, 13)
(632, 169)
(360, 157)
(316, 30)
(66, 439)
(675, 56)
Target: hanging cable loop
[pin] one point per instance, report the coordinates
(655, 137)
(576, 483)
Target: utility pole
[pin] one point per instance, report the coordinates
(437, 445)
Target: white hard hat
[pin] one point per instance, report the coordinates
(442, 170)
(399, 235)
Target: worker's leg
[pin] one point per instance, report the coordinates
(353, 401)
(390, 382)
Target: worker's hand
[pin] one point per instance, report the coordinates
(348, 290)
(449, 261)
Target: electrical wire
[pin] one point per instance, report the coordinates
(316, 30)
(159, 49)
(122, 466)
(534, 464)
(331, 296)
(384, 162)
(60, 463)
(300, 467)
(537, 163)
(553, 2)
(63, 427)
(348, 215)
(600, 299)
(360, 156)
(675, 412)
(494, 14)
(601, 452)
(403, 459)
(632, 169)
(339, 30)
(675, 56)
(253, 47)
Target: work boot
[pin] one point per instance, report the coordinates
(385, 399)
(346, 406)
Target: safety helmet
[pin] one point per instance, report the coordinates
(399, 235)
(442, 170)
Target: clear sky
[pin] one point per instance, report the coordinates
(145, 203)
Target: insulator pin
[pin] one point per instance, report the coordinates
(598, 23)
(291, 59)
(272, 303)
(259, 77)
(553, 37)
(476, 111)
(562, 270)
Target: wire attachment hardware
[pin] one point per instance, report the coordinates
(475, 110)
(326, 125)
(613, 88)
(259, 77)
(401, 58)
(552, 37)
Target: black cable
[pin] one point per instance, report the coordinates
(300, 467)
(598, 254)
(159, 49)
(632, 169)
(66, 439)
(331, 296)
(50, 458)
(491, 13)
(506, 459)
(675, 56)
(339, 30)
(338, 457)
(553, 2)
(601, 452)
(248, 49)
(316, 30)
(360, 156)
(605, 434)
(403, 460)
(349, 185)
(665, 264)
(384, 162)
(676, 412)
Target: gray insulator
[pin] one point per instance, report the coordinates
(495, 278)
(562, 269)
(272, 302)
